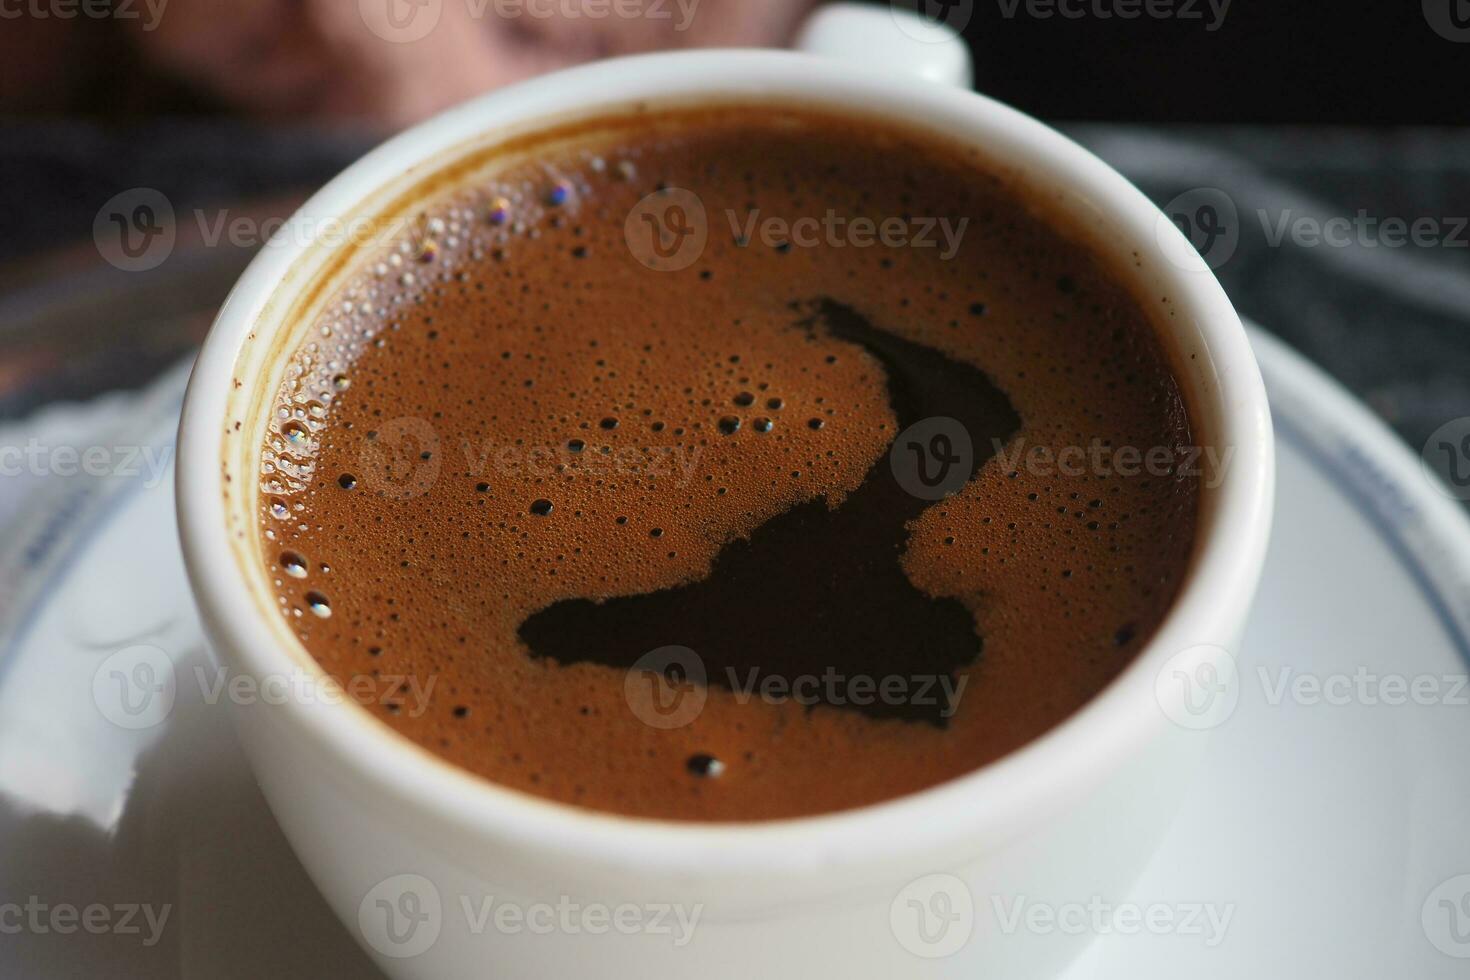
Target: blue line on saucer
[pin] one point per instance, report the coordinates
(1343, 477)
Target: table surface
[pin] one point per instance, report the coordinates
(1388, 318)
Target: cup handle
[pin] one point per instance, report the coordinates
(870, 34)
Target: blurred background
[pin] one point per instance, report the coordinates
(1164, 61)
(1261, 125)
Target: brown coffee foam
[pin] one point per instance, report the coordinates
(603, 336)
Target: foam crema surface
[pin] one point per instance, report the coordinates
(727, 465)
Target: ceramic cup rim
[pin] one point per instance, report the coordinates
(992, 804)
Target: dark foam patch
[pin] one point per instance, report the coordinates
(509, 459)
(818, 589)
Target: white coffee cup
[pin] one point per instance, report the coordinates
(442, 874)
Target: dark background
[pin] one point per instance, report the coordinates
(1294, 109)
(1361, 62)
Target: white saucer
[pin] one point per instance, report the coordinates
(1332, 835)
